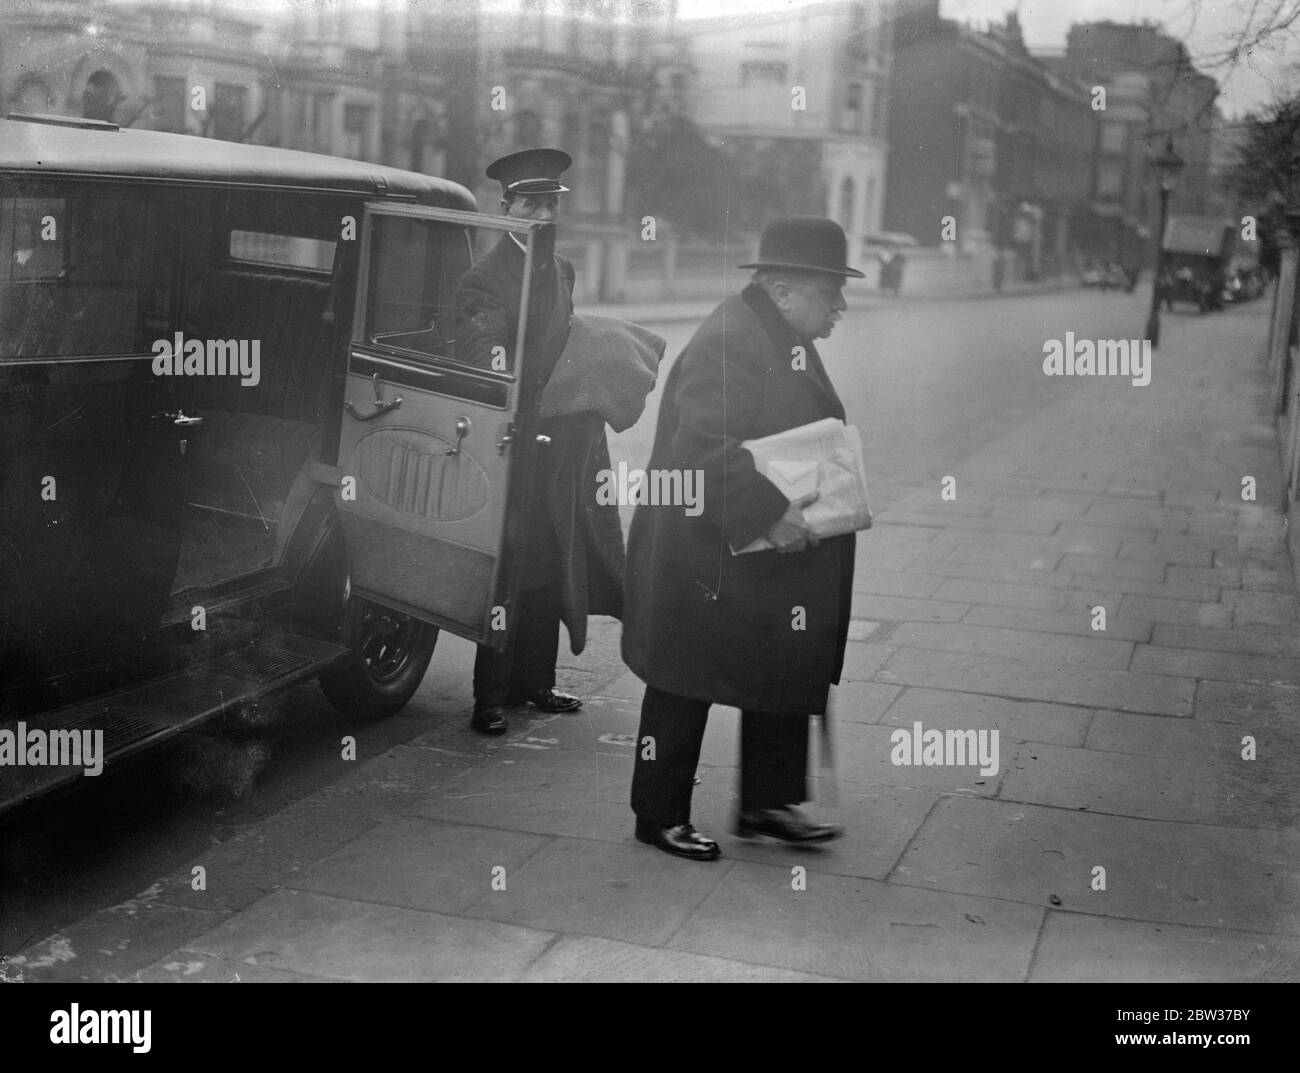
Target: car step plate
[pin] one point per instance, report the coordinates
(36, 759)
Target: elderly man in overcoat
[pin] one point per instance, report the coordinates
(762, 631)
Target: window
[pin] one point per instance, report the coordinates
(528, 130)
(85, 276)
(228, 111)
(291, 251)
(759, 71)
(847, 191)
(853, 97)
(322, 121)
(415, 265)
(356, 131)
(1114, 137)
(33, 97)
(1110, 177)
(101, 96)
(170, 103)
(878, 113)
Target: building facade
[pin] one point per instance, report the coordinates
(990, 148)
(1151, 91)
(798, 101)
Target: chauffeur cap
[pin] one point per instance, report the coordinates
(530, 171)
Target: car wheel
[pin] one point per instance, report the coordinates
(390, 653)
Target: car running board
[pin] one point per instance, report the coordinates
(39, 756)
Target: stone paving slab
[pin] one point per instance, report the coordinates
(1057, 650)
(1136, 587)
(420, 864)
(1277, 738)
(1243, 702)
(113, 944)
(1225, 666)
(1070, 622)
(903, 609)
(863, 702)
(859, 929)
(595, 888)
(339, 939)
(191, 967)
(591, 960)
(1218, 787)
(1015, 720)
(1179, 873)
(1124, 690)
(892, 583)
(1033, 597)
(1247, 640)
(1076, 947)
(1179, 612)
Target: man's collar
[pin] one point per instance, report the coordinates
(522, 245)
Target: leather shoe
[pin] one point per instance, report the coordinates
(682, 840)
(785, 824)
(548, 700)
(489, 719)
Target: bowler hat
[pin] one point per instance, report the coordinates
(530, 171)
(812, 243)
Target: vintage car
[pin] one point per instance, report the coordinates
(1194, 258)
(238, 448)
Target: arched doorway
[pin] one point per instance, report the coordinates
(102, 95)
(848, 190)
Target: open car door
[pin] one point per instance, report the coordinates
(436, 444)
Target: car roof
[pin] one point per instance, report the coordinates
(67, 146)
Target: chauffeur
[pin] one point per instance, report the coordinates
(705, 626)
(488, 302)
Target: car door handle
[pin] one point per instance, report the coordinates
(381, 407)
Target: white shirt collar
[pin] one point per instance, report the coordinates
(522, 245)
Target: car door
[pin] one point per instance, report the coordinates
(435, 446)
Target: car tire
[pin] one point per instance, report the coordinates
(389, 654)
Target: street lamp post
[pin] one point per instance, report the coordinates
(1167, 166)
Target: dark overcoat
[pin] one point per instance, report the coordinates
(568, 540)
(699, 621)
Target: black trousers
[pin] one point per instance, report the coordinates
(773, 758)
(527, 665)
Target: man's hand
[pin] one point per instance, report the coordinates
(791, 533)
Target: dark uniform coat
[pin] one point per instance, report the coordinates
(561, 544)
(699, 621)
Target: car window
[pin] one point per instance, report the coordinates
(415, 265)
(85, 275)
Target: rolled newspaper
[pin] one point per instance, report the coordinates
(823, 457)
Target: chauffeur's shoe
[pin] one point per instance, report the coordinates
(489, 718)
(786, 824)
(548, 700)
(683, 840)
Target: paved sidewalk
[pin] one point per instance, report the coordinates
(1119, 750)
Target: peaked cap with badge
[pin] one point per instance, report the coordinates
(531, 171)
